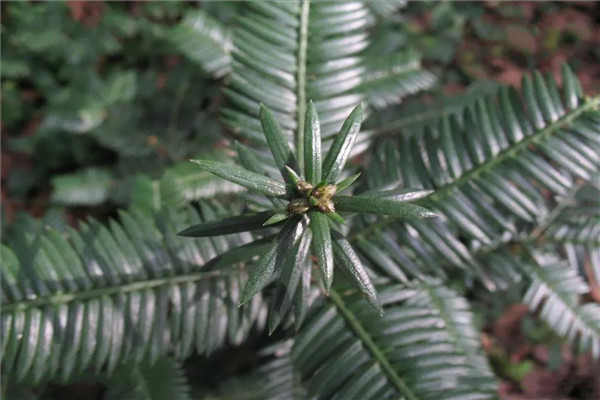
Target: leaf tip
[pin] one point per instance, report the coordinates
(263, 110)
(292, 174)
(274, 321)
(183, 232)
(191, 231)
(359, 110)
(201, 163)
(376, 304)
(430, 214)
(327, 282)
(245, 298)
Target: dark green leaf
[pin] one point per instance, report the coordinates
(277, 217)
(293, 175)
(302, 296)
(280, 248)
(348, 260)
(374, 205)
(291, 274)
(312, 145)
(342, 144)
(241, 254)
(322, 246)
(570, 86)
(226, 226)
(251, 180)
(402, 195)
(277, 142)
(342, 185)
(336, 217)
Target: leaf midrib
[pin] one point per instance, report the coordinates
(443, 191)
(537, 270)
(83, 295)
(512, 150)
(450, 326)
(370, 344)
(301, 80)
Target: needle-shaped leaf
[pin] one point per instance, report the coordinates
(279, 249)
(289, 280)
(292, 175)
(342, 185)
(239, 175)
(277, 142)
(312, 145)
(404, 195)
(348, 260)
(342, 144)
(375, 205)
(242, 253)
(302, 295)
(226, 226)
(322, 246)
(277, 217)
(321, 184)
(336, 217)
(248, 160)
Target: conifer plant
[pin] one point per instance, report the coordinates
(310, 218)
(314, 149)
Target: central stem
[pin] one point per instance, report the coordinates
(378, 353)
(301, 90)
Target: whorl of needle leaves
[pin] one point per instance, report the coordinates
(307, 223)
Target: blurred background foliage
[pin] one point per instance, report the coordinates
(97, 94)
(98, 105)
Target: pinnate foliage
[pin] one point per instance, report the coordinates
(506, 173)
(125, 292)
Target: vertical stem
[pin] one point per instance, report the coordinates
(301, 89)
(368, 342)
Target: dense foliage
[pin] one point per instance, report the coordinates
(99, 288)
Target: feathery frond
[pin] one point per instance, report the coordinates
(205, 41)
(386, 9)
(87, 187)
(194, 184)
(274, 379)
(311, 51)
(164, 379)
(556, 291)
(390, 79)
(491, 153)
(489, 172)
(413, 115)
(104, 295)
(424, 347)
(578, 222)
